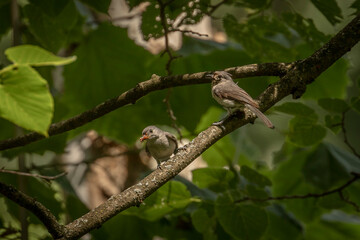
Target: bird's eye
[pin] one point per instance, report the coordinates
(150, 130)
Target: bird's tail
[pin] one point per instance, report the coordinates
(260, 115)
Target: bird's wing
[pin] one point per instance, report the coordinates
(147, 150)
(173, 138)
(231, 90)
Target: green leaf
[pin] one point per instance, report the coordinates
(201, 220)
(356, 6)
(119, 70)
(288, 179)
(169, 198)
(348, 160)
(261, 36)
(151, 22)
(333, 105)
(241, 221)
(306, 29)
(333, 123)
(219, 153)
(255, 177)
(216, 179)
(35, 56)
(355, 103)
(26, 100)
(330, 84)
(323, 170)
(330, 9)
(282, 224)
(304, 132)
(101, 6)
(333, 226)
(53, 24)
(297, 109)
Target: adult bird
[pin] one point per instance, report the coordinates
(232, 97)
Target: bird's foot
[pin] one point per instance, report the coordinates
(218, 123)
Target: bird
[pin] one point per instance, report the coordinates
(160, 144)
(232, 97)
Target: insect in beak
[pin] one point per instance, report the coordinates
(144, 137)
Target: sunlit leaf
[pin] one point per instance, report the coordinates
(35, 56)
(26, 100)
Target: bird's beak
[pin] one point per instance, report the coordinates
(144, 137)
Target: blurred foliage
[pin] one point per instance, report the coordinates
(305, 154)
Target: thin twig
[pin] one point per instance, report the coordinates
(216, 6)
(346, 140)
(49, 178)
(348, 201)
(169, 110)
(356, 176)
(168, 65)
(190, 32)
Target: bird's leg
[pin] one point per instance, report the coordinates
(158, 164)
(224, 119)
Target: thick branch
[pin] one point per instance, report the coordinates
(139, 91)
(39, 210)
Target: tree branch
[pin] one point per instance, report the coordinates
(39, 210)
(140, 90)
(356, 176)
(48, 178)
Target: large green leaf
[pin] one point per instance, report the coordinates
(330, 84)
(333, 105)
(297, 109)
(53, 24)
(35, 56)
(304, 132)
(241, 221)
(323, 170)
(282, 225)
(216, 179)
(330, 9)
(171, 197)
(26, 100)
(288, 179)
(254, 177)
(106, 72)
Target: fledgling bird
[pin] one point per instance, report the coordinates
(160, 144)
(232, 97)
